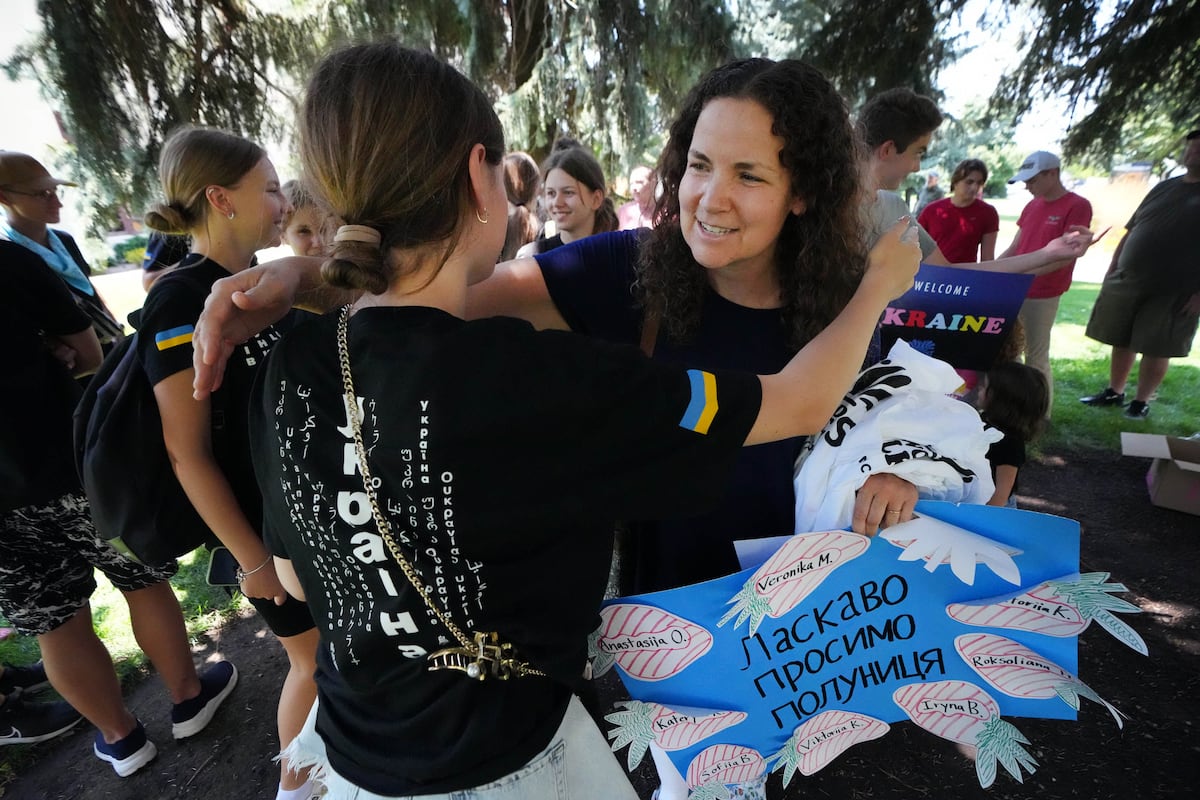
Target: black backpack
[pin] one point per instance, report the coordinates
(136, 501)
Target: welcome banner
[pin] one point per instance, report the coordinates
(960, 316)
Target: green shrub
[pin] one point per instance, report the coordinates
(130, 251)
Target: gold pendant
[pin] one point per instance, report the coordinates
(489, 656)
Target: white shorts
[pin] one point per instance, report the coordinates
(578, 764)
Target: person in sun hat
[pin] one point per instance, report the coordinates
(30, 196)
(1052, 212)
(1149, 302)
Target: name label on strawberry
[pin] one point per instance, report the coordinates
(952, 707)
(670, 639)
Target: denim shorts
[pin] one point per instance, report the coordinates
(578, 764)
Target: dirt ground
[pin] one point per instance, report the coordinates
(1154, 552)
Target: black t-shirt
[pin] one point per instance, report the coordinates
(37, 393)
(165, 329)
(503, 457)
(590, 282)
(1009, 451)
(1159, 252)
(547, 244)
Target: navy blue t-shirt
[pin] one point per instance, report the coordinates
(590, 282)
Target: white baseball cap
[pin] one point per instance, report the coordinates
(1039, 161)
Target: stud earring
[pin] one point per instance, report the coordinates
(231, 215)
(484, 219)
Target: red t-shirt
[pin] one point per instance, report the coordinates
(959, 231)
(1042, 222)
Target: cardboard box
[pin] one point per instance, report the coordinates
(1174, 476)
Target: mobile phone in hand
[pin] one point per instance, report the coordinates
(222, 567)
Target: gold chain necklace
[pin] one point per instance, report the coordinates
(478, 656)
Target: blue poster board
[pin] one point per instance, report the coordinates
(960, 614)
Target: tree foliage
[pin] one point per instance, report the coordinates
(608, 72)
(128, 71)
(1142, 63)
(868, 46)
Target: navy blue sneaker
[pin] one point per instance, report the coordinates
(191, 716)
(27, 679)
(29, 723)
(128, 755)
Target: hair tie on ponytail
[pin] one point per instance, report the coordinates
(358, 233)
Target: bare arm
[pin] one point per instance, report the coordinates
(515, 289)
(1012, 246)
(86, 346)
(1006, 478)
(801, 399)
(987, 246)
(1056, 254)
(186, 432)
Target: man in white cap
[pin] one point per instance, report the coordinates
(1149, 302)
(1052, 212)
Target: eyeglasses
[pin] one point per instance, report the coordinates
(44, 194)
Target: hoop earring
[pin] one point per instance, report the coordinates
(484, 219)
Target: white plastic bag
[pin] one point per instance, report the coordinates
(898, 418)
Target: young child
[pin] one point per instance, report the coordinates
(1013, 400)
(302, 227)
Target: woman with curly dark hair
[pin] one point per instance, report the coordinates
(757, 246)
(812, 257)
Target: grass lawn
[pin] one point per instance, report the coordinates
(1081, 368)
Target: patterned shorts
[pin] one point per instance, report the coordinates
(47, 556)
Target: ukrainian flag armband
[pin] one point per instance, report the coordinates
(698, 415)
(165, 340)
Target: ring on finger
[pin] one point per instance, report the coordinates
(892, 511)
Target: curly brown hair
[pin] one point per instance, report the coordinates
(819, 255)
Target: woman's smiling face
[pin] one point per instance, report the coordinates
(735, 194)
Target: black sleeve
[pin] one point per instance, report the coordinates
(608, 431)
(166, 326)
(1009, 451)
(39, 292)
(590, 282)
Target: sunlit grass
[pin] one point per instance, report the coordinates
(1081, 367)
(204, 607)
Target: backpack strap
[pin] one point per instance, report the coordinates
(650, 325)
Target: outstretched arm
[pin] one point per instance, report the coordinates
(1055, 255)
(801, 398)
(186, 425)
(515, 289)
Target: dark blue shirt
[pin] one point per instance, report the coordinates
(590, 282)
